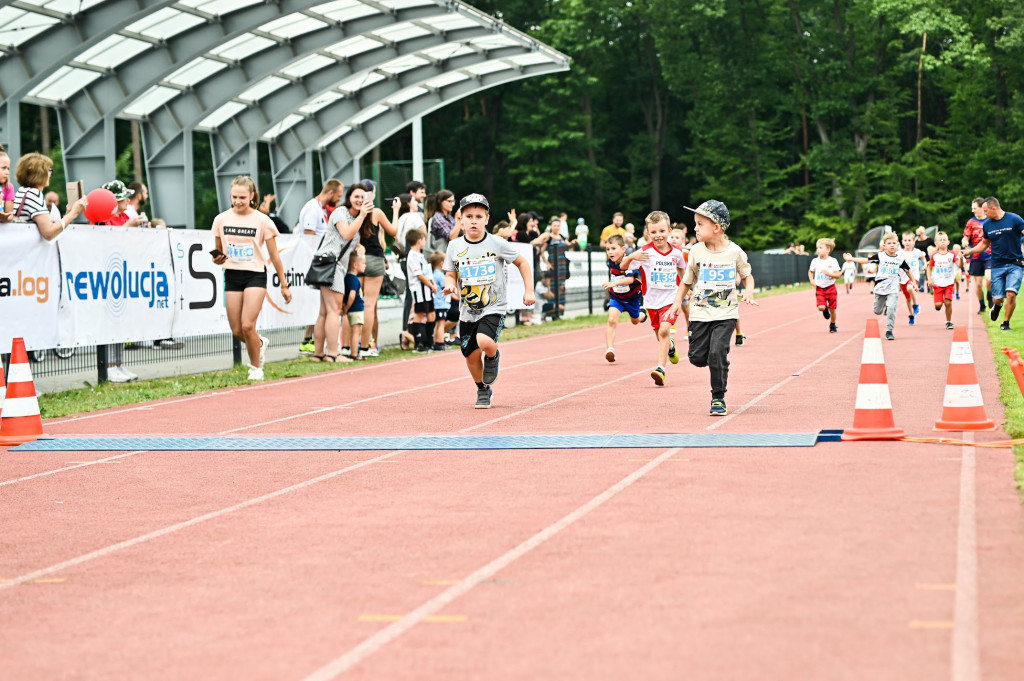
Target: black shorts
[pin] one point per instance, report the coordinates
(489, 325)
(426, 307)
(453, 314)
(976, 268)
(239, 280)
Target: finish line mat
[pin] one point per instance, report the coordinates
(419, 442)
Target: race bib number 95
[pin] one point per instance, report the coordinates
(718, 276)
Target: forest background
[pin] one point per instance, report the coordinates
(809, 118)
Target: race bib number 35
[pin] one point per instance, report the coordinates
(478, 271)
(718, 276)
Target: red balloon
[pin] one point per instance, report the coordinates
(102, 205)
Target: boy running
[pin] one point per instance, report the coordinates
(624, 291)
(917, 259)
(887, 279)
(823, 273)
(476, 263)
(942, 275)
(677, 237)
(849, 274)
(661, 267)
(715, 263)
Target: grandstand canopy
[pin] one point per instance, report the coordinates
(320, 82)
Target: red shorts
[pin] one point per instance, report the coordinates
(826, 296)
(905, 289)
(941, 293)
(660, 316)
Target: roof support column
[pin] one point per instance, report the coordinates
(169, 168)
(10, 130)
(417, 149)
(89, 155)
(293, 180)
(228, 164)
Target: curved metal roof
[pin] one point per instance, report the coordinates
(311, 72)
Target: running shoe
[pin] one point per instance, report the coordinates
(889, 336)
(917, 310)
(832, 328)
(718, 408)
(419, 350)
(255, 373)
(1005, 326)
(958, 295)
(949, 325)
(491, 367)
(370, 352)
(438, 347)
(910, 320)
(981, 308)
(307, 347)
(610, 354)
(134, 377)
(483, 397)
(264, 344)
(740, 338)
(658, 375)
(673, 356)
(826, 314)
(644, 318)
(996, 309)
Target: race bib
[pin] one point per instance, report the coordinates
(717, 276)
(621, 288)
(663, 277)
(944, 271)
(889, 271)
(823, 280)
(240, 253)
(478, 271)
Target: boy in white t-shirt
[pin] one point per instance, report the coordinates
(421, 285)
(823, 272)
(849, 270)
(942, 275)
(891, 267)
(917, 259)
(661, 267)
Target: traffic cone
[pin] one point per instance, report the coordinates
(872, 416)
(962, 406)
(3, 388)
(20, 421)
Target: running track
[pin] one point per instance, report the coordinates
(842, 561)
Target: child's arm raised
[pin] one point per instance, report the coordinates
(849, 258)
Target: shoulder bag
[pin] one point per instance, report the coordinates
(321, 270)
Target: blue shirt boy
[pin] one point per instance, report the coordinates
(352, 284)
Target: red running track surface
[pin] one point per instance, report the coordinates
(865, 560)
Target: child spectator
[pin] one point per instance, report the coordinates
(442, 302)
(917, 259)
(823, 272)
(582, 233)
(475, 262)
(7, 189)
(353, 307)
(546, 296)
(943, 269)
(715, 263)
(961, 273)
(887, 279)
(677, 237)
(624, 288)
(421, 283)
(849, 270)
(661, 267)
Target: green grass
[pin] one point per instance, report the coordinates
(1009, 392)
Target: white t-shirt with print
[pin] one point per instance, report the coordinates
(659, 275)
(944, 266)
(819, 267)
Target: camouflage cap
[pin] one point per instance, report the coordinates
(118, 189)
(474, 200)
(713, 210)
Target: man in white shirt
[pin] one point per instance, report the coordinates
(134, 207)
(313, 216)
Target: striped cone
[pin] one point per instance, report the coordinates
(872, 416)
(3, 388)
(962, 406)
(20, 421)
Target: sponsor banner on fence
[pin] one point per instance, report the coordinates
(296, 256)
(515, 287)
(29, 287)
(118, 284)
(199, 303)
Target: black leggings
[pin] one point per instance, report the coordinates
(709, 347)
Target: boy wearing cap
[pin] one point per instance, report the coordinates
(476, 262)
(120, 216)
(715, 263)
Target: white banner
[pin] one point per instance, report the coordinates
(296, 255)
(199, 304)
(118, 285)
(515, 287)
(29, 287)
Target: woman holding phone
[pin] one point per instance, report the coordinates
(240, 234)
(371, 221)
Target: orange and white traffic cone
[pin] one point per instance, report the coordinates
(962, 406)
(3, 388)
(20, 421)
(872, 417)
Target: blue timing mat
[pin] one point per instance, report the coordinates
(419, 442)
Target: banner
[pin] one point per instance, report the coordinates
(515, 287)
(29, 287)
(296, 252)
(117, 284)
(199, 304)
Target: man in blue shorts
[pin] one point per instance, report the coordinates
(1003, 233)
(624, 292)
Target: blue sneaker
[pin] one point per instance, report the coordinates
(911, 322)
(917, 310)
(718, 408)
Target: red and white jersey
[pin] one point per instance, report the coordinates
(659, 275)
(944, 268)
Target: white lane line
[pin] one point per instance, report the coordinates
(391, 632)
(163, 532)
(83, 464)
(283, 381)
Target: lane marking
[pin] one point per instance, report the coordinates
(666, 460)
(75, 463)
(431, 619)
(370, 645)
(51, 580)
(171, 529)
(71, 468)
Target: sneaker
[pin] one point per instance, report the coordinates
(718, 408)
(740, 338)
(127, 372)
(307, 347)
(610, 354)
(917, 310)
(673, 356)
(644, 318)
(1005, 326)
(419, 350)
(438, 347)
(255, 373)
(346, 350)
(117, 375)
(264, 344)
(491, 368)
(483, 397)
(370, 352)
(949, 325)
(832, 328)
(958, 295)
(910, 320)
(889, 336)
(658, 375)
(826, 314)
(981, 308)
(994, 313)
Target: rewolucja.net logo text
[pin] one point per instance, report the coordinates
(120, 282)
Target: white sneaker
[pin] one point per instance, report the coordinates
(131, 376)
(255, 374)
(372, 352)
(264, 343)
(117, 375)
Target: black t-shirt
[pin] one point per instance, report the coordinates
(924, 244)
